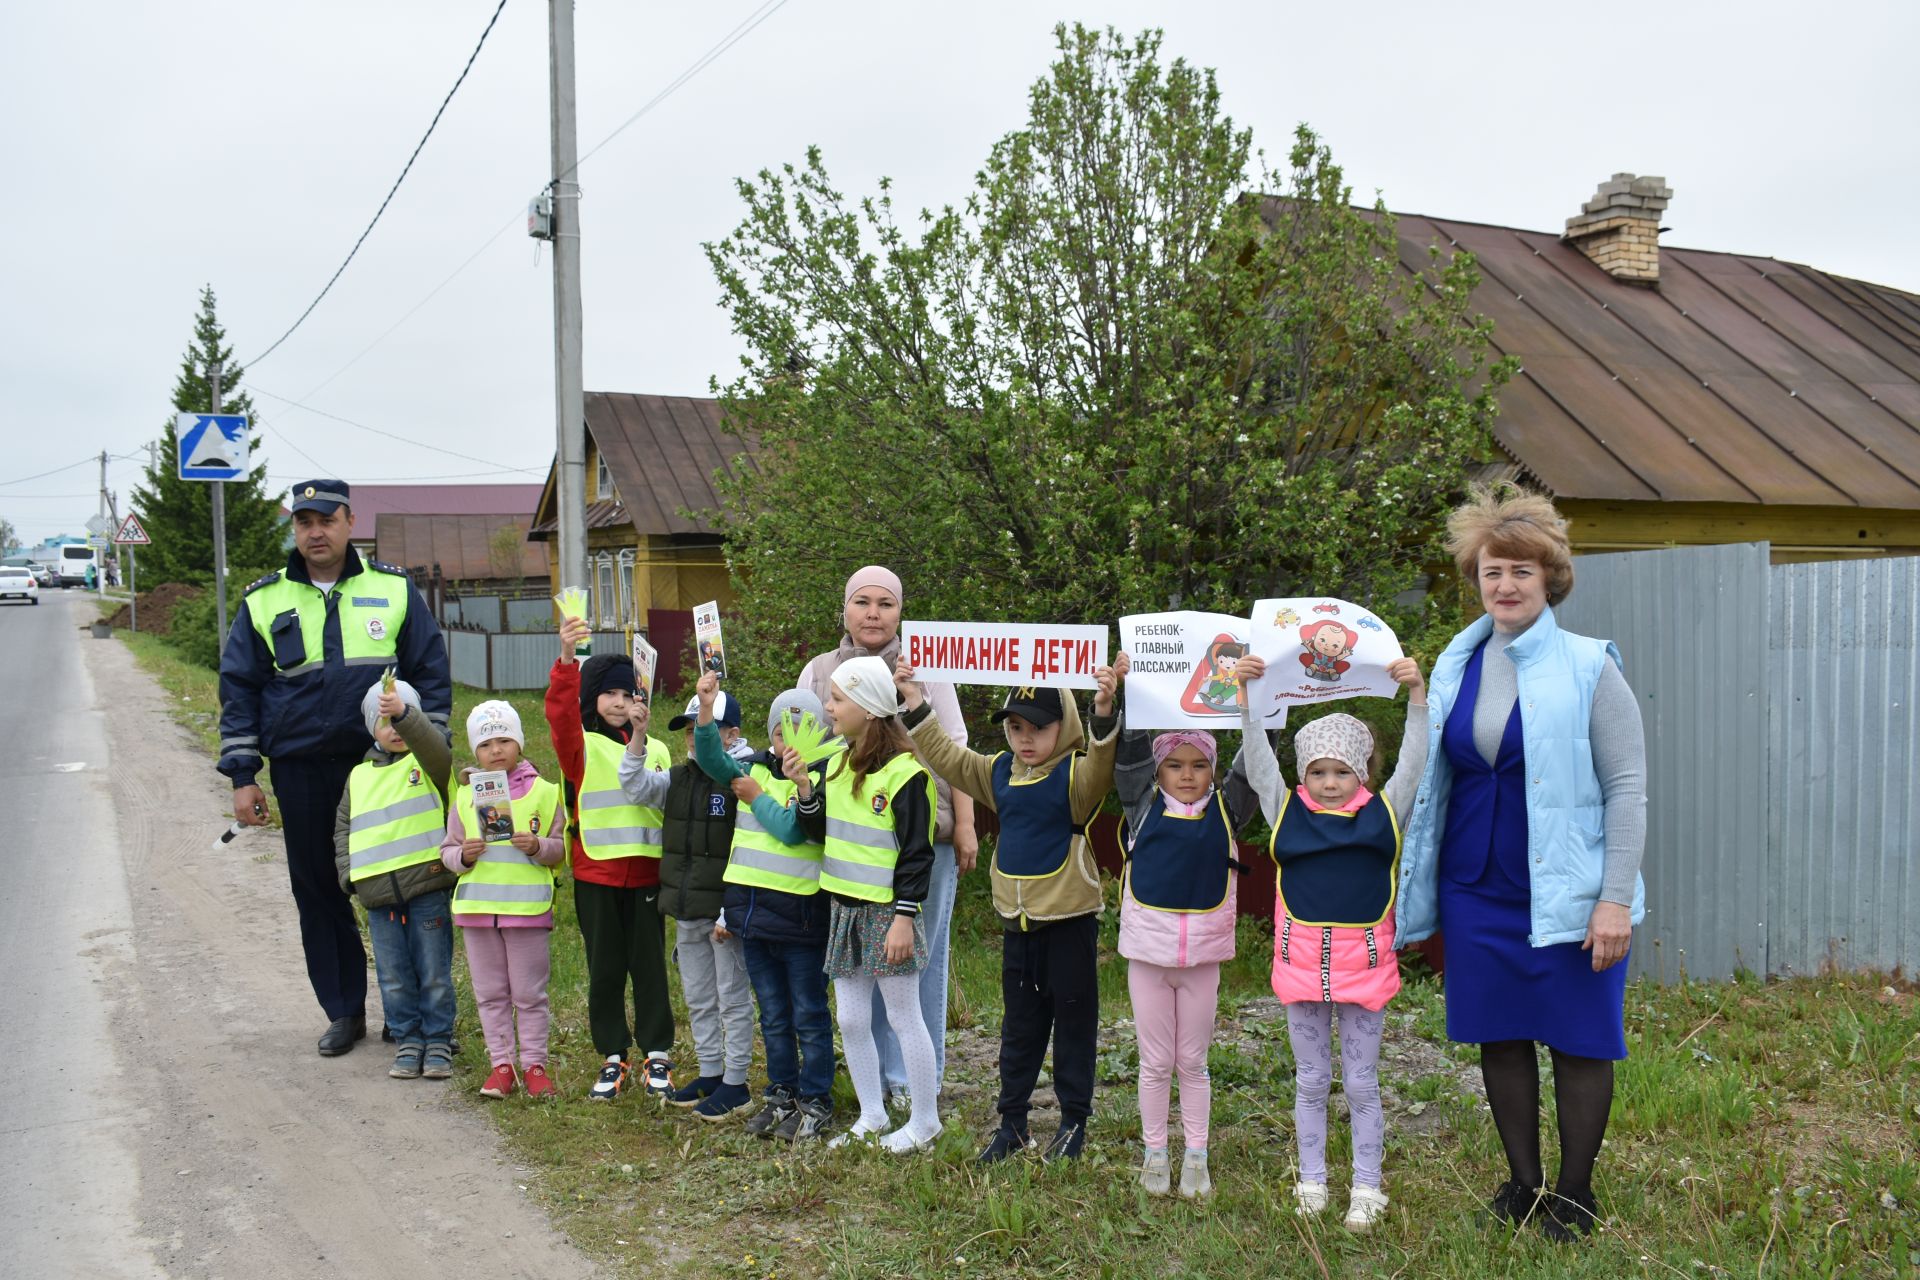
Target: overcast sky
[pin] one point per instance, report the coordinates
(152, 148)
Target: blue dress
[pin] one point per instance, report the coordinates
(1498, 987)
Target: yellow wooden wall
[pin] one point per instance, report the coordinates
(1797, 533)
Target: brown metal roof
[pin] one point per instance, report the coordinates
(1739, 379)
(458, 544)
(372, 500)
(663, 452)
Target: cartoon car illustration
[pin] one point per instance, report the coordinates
(1369, 624)
(1326, 607)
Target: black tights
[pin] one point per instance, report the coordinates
(1583, 1095)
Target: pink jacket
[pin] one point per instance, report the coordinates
(1360, 967)
(1178, 939)
(551, 850)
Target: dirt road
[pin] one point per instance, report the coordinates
(167, 1113)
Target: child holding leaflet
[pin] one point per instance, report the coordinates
(1336, 846)
(504, 902)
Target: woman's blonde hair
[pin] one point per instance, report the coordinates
(1513, 524)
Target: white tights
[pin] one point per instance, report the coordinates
(901, 992)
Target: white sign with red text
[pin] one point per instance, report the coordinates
(1015, 653)
(1318, 649)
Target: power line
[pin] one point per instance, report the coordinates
(392, 190)
(707, 59)
(418, 444)
(89, 459)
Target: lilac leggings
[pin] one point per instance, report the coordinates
(1310, 1027)
(1173, 1013)
(509, 969)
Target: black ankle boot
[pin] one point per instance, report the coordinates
(1514, 1204)
(1576, 1212)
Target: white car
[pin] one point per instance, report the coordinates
(17, 582)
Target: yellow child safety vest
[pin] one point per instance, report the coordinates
(397, 817)
(611, 826)
(372, 605)
(762, 859)
(505, 881)
(862, 847)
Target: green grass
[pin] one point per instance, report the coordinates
(1758, 1129)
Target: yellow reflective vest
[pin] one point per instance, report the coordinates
(762, 859)
(862, 847)
(611, 826)
(505, 881)
(396, 817)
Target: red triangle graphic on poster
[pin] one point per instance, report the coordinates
(1213, 691)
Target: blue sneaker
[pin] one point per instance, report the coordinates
(728, 1102)
(689, 1094)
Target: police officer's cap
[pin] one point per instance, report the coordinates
(324, 496)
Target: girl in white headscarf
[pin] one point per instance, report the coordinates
(872, 807)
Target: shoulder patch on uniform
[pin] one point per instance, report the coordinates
(381, 566)
(267, 581)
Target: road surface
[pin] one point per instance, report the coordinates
(164, 1111)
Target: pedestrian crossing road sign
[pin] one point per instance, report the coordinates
(131, 534)
(213, 446)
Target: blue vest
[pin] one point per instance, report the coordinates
(1557, 673)
(1335, 868)
(1036, 819)
(1180, 863)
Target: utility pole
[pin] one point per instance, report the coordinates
(570, 475)
(219, 522)
(100, 566)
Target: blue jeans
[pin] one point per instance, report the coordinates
(413, 954)
(936, 915)
(790, 982)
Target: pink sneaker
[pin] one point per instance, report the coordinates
(540, 1086)
(500, 1083)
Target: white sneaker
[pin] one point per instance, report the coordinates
(862, 1132)
(1365, 1206)
(1194, 1179)
(1309, 1198)
(1155, 1174)
(903, 1141)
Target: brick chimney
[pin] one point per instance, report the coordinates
(1620, 228)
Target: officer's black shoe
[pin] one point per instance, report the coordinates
(1005, 1143)
(341, 1034)
(1067, 1143)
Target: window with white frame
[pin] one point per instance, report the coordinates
(606, 604)
(602, 478)
(629, 609)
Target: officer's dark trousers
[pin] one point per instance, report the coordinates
(308, 790)
(1049, 983)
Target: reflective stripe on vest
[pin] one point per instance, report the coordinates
(397, 817)
(505, 881)
(372, 606)
(612, 826)
(762, 859)
(862, 846)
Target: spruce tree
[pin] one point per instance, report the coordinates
(178, 514)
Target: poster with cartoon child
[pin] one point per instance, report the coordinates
(1183, 670)
(1319, 649)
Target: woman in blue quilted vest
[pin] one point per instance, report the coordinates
(1523, 851)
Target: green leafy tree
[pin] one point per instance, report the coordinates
(9, 540)
(1112, 378)
(178, 514)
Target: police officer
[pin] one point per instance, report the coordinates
(305, 645)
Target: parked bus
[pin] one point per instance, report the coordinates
(74, 559)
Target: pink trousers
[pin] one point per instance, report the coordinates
(509, 969)
(1173, 1012)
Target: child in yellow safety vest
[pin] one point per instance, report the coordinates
(504, 902)
(386, 840)
(872, 810)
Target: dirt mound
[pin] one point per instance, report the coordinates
(156, 607)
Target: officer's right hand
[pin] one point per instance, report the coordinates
(250, 806)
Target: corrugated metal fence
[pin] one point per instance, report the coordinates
(1783, 834)
(513, 661)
